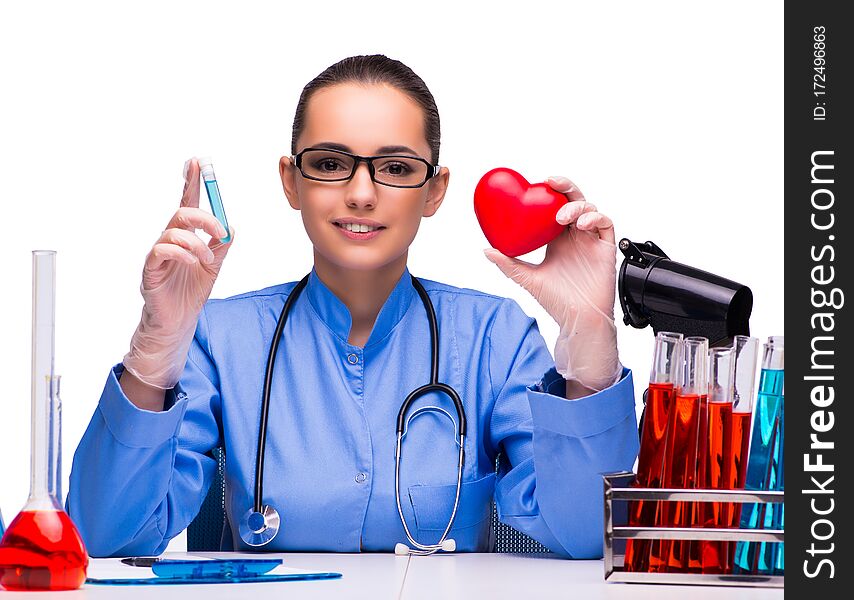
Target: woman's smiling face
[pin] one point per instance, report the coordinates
(362, 120)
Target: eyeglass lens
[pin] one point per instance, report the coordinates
(330, 165)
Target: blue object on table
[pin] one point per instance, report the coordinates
(214, 568)
(183, 572)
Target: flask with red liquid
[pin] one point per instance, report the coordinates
(666, 365)
(42, 549)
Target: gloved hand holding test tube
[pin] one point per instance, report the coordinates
(177, 280)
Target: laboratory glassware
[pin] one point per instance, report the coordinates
(42, 549)
(666, 365)
(744, 384)
(762, 470)
(215, 198)
(680, 462)
(717, 459)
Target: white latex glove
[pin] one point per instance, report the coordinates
(576, 284)
(177, 280)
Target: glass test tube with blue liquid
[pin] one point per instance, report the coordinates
(764, 468)
(212, 188)
(778, 561)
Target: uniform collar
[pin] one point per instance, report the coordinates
(336, 315)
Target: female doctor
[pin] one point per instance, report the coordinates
(355, 343)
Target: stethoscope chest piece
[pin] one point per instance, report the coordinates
(258, 528)
(260, 524)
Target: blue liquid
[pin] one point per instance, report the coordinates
(217, 207)
(764, 472)
(779, 509)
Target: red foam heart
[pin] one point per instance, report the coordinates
(516, 216)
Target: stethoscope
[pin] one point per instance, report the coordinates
(261, 523)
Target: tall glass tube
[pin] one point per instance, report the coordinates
(42, 549)
(779, 510)
(666, 366)
(746, 359)
(687, 414)
(762, 470)
(43, 456)
(715, 463)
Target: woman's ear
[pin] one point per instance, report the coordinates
(287, 173)
(437, 186)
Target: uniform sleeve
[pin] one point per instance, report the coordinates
(139, 477)
(557, 449)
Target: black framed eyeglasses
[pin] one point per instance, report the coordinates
(393, 170)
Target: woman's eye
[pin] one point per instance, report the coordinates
(327, 165)
(396, 168)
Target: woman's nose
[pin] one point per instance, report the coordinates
(361, 190)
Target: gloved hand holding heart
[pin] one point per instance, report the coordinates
(575, 283)
(516, 217)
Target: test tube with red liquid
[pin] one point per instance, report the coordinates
(42, 549)
(666, 365)
(688, 409)
(717, 460)
(746, 358)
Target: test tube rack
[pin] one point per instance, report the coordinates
(618, 492)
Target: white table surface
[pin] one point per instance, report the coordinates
(526, 577)
(444, 577)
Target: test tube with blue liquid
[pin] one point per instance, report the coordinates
(764, 466)
(212, 188)
(779, 509)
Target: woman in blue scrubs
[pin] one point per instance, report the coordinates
(355, 345)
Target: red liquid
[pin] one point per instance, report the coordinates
(696, 511)
(650, 463)
(718, 461)
(680, 470)
(741, 422)
(42, 550)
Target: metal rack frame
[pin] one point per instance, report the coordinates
(617, 489)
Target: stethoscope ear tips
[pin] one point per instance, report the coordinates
(448, 545)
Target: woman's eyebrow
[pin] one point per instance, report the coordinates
(381, 150)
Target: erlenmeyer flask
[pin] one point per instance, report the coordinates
(42, 549)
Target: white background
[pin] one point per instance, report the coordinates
(668, 115)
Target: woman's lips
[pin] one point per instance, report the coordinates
(359, 236)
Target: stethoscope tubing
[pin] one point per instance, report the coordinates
(268, 384)
(434, 385)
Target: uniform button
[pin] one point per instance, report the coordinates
(352, 359)
(361, 477)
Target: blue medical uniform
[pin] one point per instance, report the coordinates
(139, 477)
